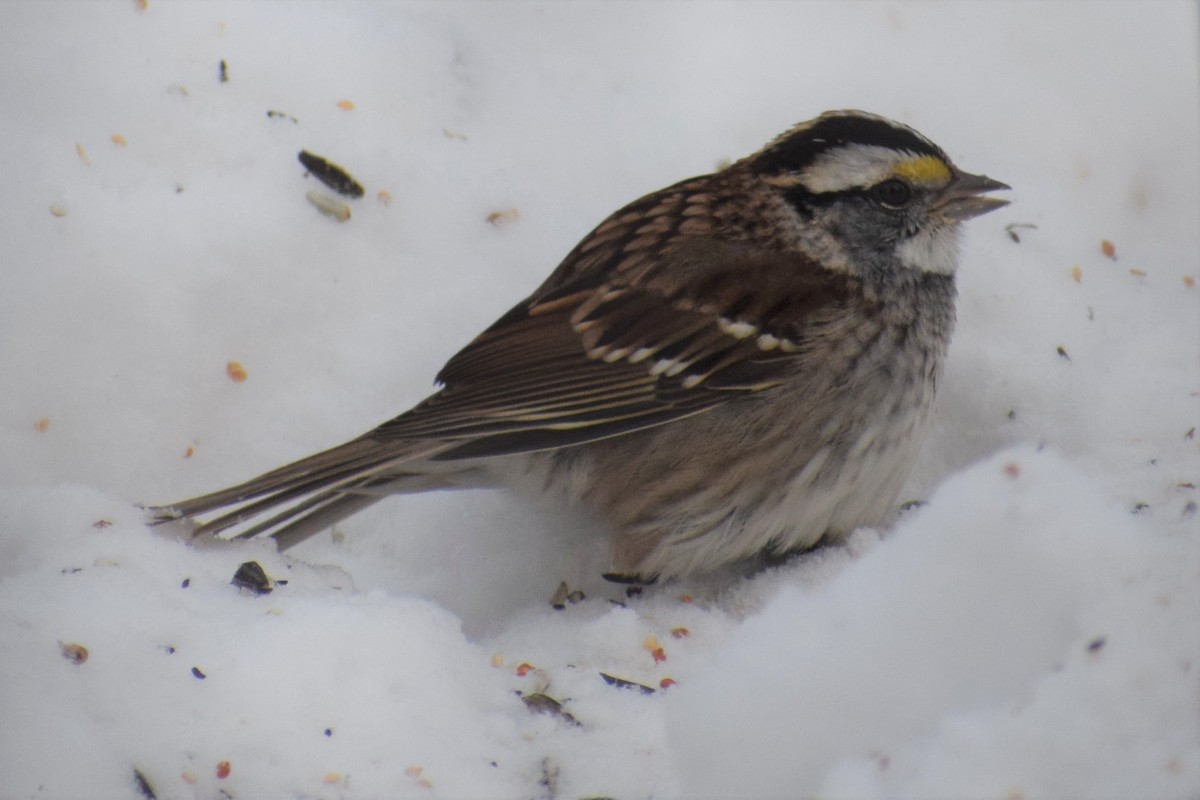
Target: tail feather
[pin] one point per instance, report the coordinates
(320, 468)
(313, 493)
(333, 508)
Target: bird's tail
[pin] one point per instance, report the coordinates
(295, 501)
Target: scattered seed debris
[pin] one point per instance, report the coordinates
(1062, 351)
(75, 653)
(449, 134)
(185, 583)
(564, 595)
(1191, 433)
(1012, 228)
(250, 575)
(549, 778)
(42, 425)
(622, 683)
(1189, 510)
(58, 210)
(101, 524)
(198, 674)
(1012, 470)
(1189, 281)
(273, 114)
(1095, 645)
(1137, 273)
(330, 174)
(83, 156)
(119, 140)
(1077, 274)
(223, 770)
(504, 216)
(345, 105)
(236, 372)
(1109, 249)
(545, 704)
(1139, 507)
(139, 780)
(329, 205)
(223, 72)
(667, 683)
(384, 197)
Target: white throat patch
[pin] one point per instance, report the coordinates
(933, 249)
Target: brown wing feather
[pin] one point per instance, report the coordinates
(588, 360)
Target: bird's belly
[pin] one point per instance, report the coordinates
(770, 493)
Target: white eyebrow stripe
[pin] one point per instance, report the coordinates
(851, 167)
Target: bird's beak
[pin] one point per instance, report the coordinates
(964, 197)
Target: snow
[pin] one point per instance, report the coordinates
(1028, 632)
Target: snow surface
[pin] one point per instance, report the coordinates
(1029, 632)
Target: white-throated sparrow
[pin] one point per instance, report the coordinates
(743, 362)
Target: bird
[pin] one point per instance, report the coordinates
(740, 365)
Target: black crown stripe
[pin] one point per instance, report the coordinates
(793, 151)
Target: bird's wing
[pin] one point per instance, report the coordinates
(704, 324)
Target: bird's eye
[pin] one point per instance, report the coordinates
(892, 193)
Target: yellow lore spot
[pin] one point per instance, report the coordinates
(923, 169)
